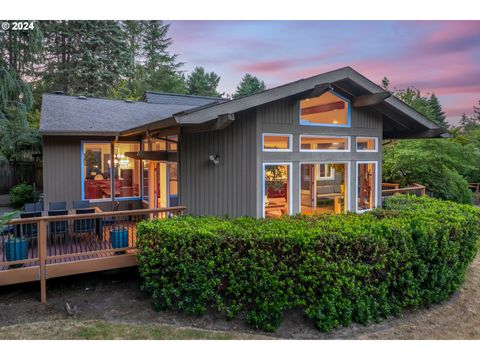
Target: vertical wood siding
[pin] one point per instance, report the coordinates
(61, 169)
(228, 188)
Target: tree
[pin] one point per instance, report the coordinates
(442, 165)
(249, 85)
(413, 97)
(21, 51)
(202, 83)
(471, 122)
(161, 68)
(437, 113)
(85, 57)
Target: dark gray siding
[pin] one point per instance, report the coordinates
(62, 172)
(228, 188)
(61, 169)
(283, 117)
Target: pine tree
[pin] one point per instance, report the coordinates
(161, 68)
(85, 57)
(202, 83)
(20, 53)
(249, 85)
(438, 115)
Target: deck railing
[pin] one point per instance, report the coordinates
(53, 246)
(391, 189)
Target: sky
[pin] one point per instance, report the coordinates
(435, 56)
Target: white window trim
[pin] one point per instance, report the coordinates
(368, 138)
(290, 185)
(331, 177)
(376, 185)
(349, 176)
(290, 143)
(348, 149)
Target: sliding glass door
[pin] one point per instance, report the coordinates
(324, 188)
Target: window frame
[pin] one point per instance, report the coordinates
(312, 162)
(349, 113)
(112, 183)
(368, 138)
(290, 184)
(290, 142)
(356, 185)
(349, 141)
(82, 173)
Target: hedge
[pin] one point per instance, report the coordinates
(337, 269)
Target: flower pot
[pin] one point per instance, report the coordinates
(15, 249)
(119, 238)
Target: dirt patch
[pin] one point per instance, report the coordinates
(115, 298)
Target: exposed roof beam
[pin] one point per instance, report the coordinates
(370, 100)
(220, 123)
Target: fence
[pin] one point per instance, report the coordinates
(35, 249)
(29, 172)
(389, 189)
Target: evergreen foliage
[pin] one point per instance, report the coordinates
(200, 82)
(249, 85)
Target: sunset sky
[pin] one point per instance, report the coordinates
(438, 56)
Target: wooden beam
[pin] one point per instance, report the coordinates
(337, 105)
(371, 99)
(220, 123)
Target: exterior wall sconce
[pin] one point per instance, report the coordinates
(214, 159)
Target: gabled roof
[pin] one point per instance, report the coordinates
(400, 120)
(74, 115)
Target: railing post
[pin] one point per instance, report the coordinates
(42, 254)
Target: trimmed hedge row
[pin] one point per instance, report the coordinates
(338, 269)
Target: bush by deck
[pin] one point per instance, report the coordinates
(338, 269)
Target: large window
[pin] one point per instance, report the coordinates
(366, 185)
(367, 144)
(126, 170)
(96, 171)
(324, 188)
(276, 182)
(277, 142)
(324, 143)
(328, 109)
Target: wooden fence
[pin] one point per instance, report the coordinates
(390, 189)
(29, 172)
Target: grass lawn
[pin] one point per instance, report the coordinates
(102, 330)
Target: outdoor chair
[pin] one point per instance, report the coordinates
(30, 231)
(81, 204)
(83, 226)
(60, 205)
(34, 207)
(58, 227)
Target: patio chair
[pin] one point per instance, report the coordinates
(34, 207)
(57, 227)
(30, 231)
(60, 205)
(81, 204)
(83, 226)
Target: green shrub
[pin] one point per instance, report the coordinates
(338, 269)
(21, 194)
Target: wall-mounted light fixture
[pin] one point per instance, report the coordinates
(214, 159)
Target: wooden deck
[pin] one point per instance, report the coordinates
(36, 249)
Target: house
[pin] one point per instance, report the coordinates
(310, 146)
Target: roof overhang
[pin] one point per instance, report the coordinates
(399, 118)
(166, 156)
